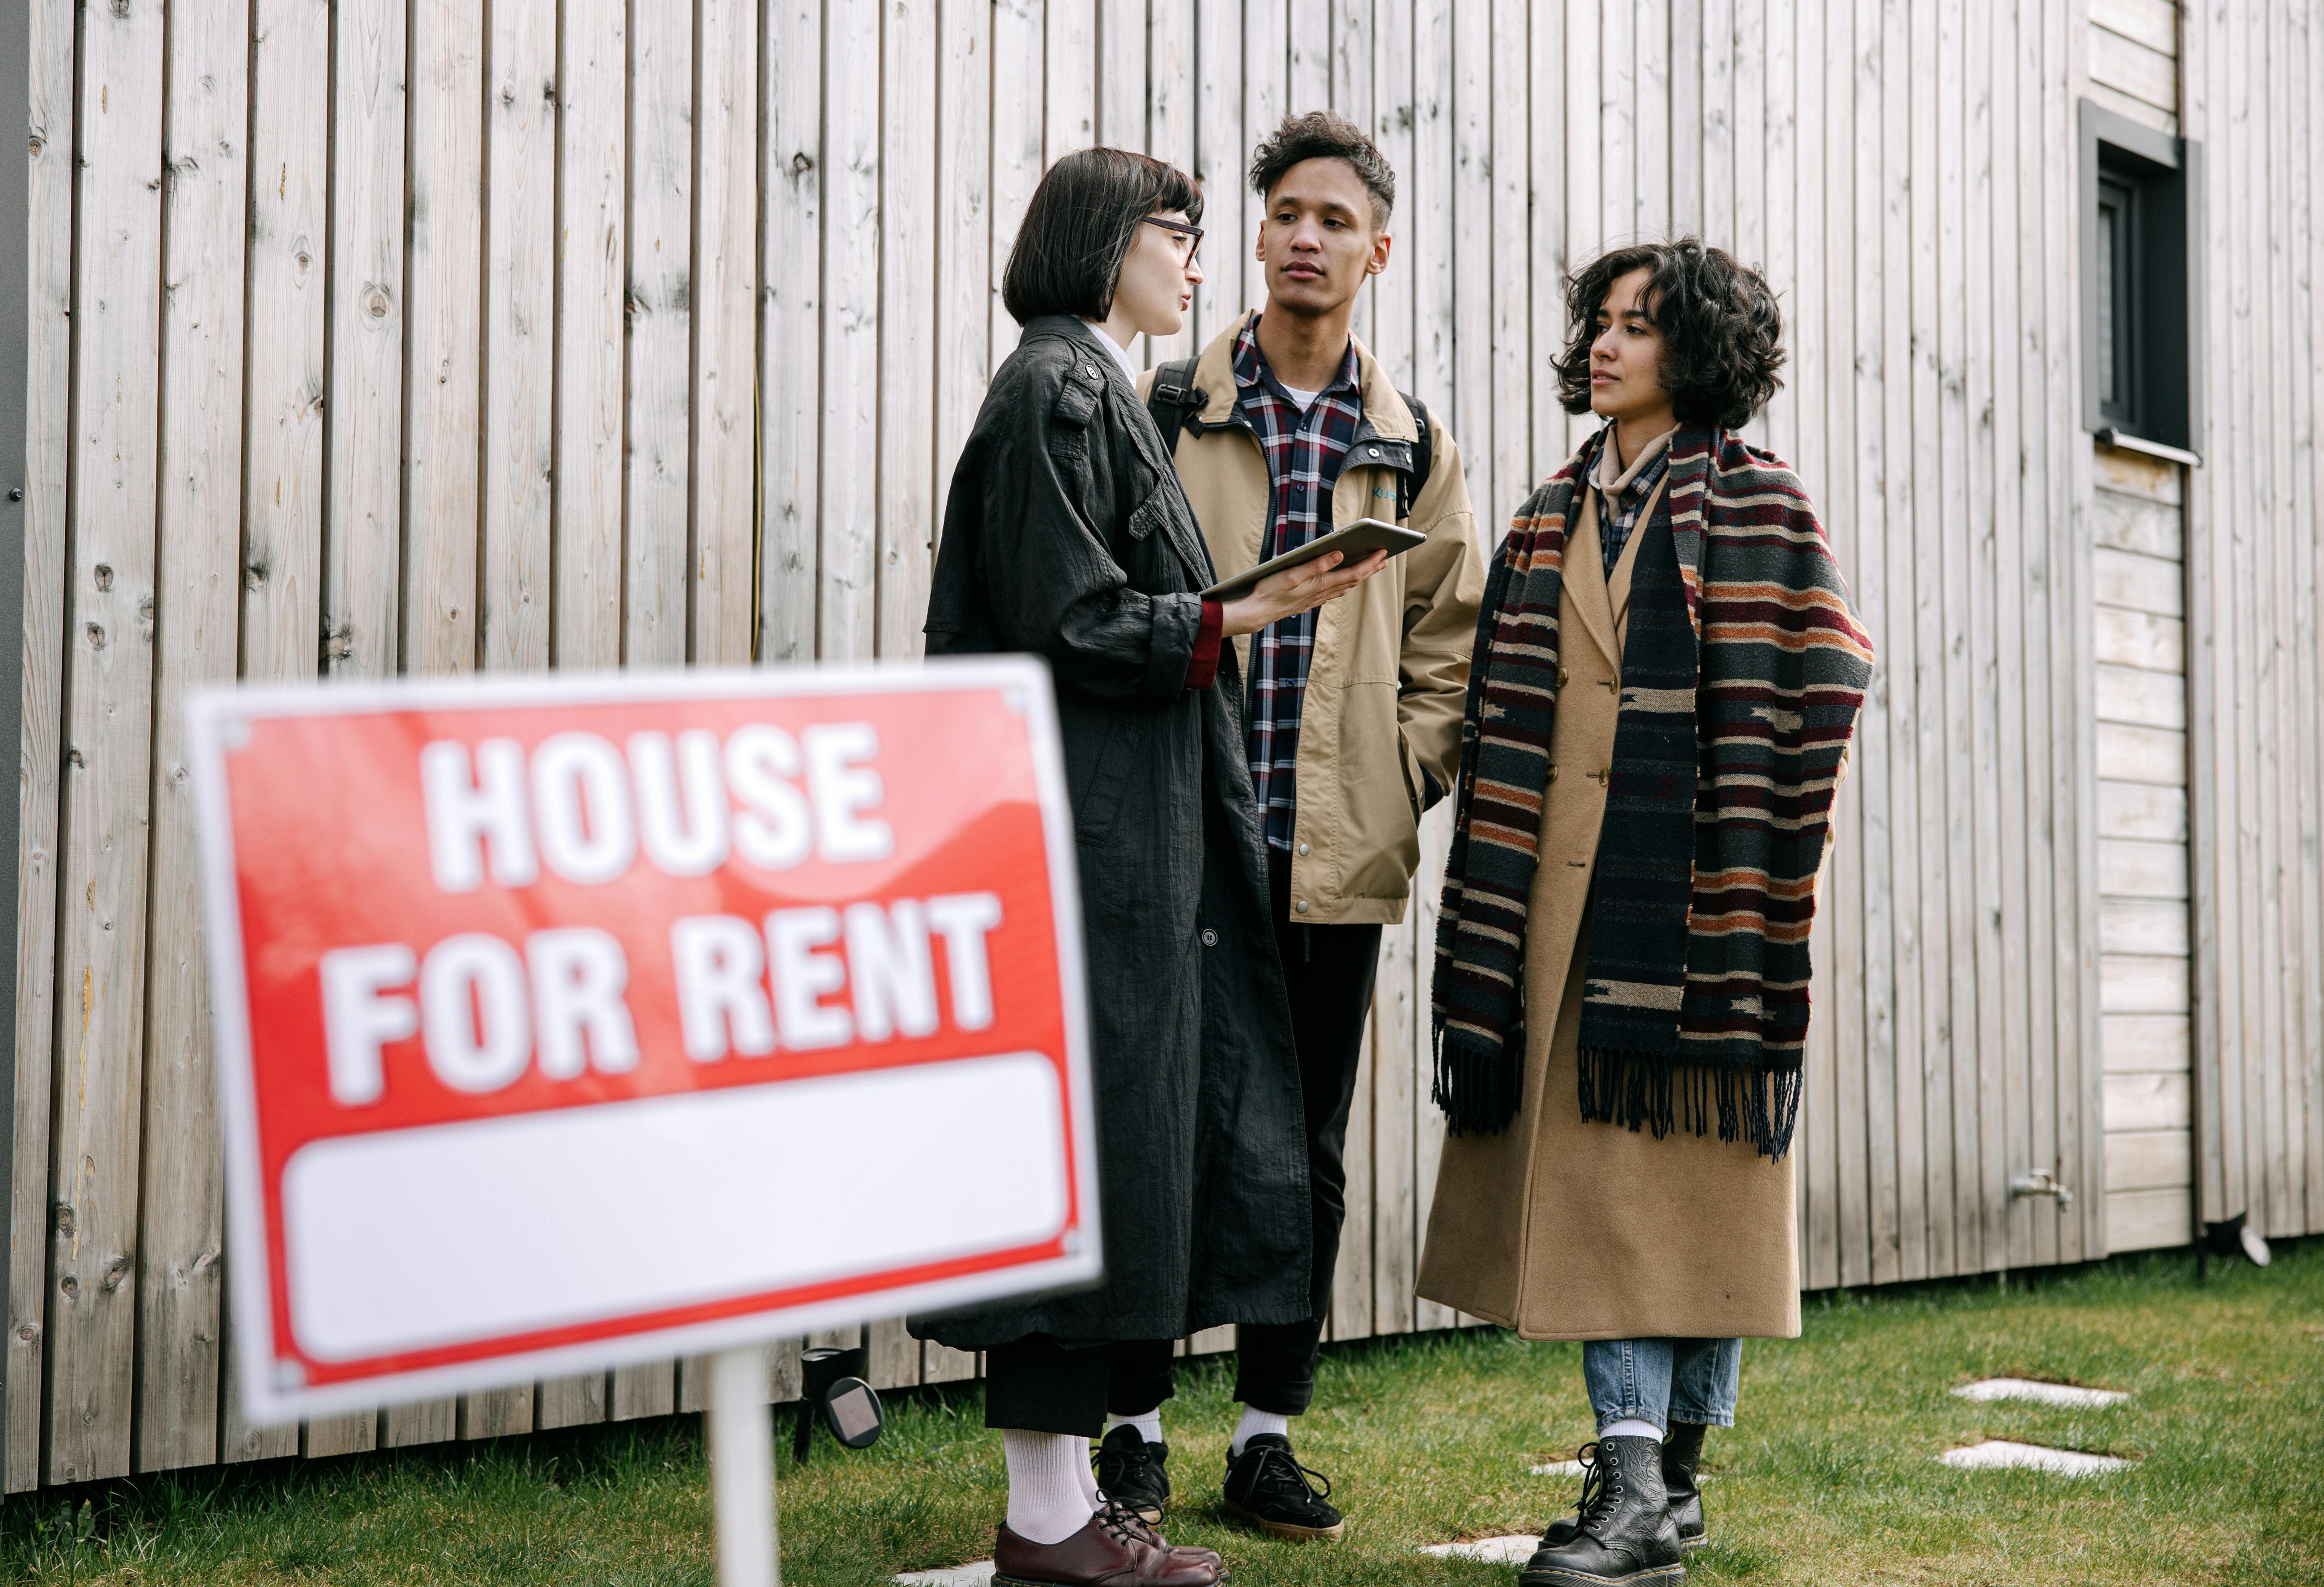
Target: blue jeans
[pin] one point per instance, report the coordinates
(1662, 1380)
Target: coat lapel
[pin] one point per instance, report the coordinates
(1585, 582)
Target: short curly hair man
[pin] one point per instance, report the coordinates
(1722, 332)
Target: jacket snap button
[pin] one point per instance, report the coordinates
(1562, 676)
(1553, 774)
(1375, 451)
(1210, 937)
(1301, 906)
(1303, 848)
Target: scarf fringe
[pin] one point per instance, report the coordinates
(1651, 1092)
(1479, 1089)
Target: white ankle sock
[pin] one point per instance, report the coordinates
(1631, 1429)
(1047, 1474)
(1086, 1471)
(1149, 1424)
(1254, 1422)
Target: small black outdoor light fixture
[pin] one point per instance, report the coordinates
(832, 1389)
(2230, 1237)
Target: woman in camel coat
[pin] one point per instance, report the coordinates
(1666, 677)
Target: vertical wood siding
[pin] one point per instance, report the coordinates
(2250, 78)
(417, 338)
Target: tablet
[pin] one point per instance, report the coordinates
(1358, 540)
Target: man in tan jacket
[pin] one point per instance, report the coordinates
(1285, 428)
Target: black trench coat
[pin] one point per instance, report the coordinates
(1067, 534)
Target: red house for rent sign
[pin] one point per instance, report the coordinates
(569, 1022)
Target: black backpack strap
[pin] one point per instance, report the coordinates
(1173, 399)
(1424, 458)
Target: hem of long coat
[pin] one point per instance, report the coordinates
(1664, 1327)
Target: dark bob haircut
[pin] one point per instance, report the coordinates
(1079, 226)
(1722, 334)
(1320, 134)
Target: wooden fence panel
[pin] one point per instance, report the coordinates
(110, 615)
(202, 518)
(47, 448)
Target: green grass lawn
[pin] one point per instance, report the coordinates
(1830, 1477)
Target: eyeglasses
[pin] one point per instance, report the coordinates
(1179, 228)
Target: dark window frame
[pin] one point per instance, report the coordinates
(2141, 373)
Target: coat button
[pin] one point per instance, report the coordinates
(1303, 848)
(1301, 906)
(1375, 451)
(1210, 937)
(1562, 676)
(1553, 774)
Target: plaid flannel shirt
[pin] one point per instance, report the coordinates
(1619, 501)
(1304, 452)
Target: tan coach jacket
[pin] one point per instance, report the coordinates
(1385, 689)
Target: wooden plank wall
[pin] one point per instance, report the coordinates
(2252, 76)
(2138, 524)
(415, 337)
(2144, 919)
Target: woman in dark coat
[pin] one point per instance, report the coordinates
(1067, 534)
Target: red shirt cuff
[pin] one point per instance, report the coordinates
(1203, 665)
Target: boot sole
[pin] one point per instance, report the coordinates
(1285, 1528)
(1652, 1576)
(1695, 1541)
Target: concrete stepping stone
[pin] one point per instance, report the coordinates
(1493, 1551)
(1992, 1389)
(2002, 1452)
(973, 1574)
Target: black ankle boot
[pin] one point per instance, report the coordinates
(1622, 1533)
(1681, 1452)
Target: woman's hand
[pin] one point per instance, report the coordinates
(1297, 589)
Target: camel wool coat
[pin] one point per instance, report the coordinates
(1565, 1230)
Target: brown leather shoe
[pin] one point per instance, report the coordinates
(1143, 1529)
(1107, 1553)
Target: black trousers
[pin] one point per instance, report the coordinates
(1037, 1385)
(1328, 971)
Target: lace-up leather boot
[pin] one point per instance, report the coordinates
(1110, 1550)
(1681, 1453)
(1622, 1535)
(1131, 1470)
(1268, 1488)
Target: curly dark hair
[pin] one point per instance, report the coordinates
(1722, 333)
(1320, 134)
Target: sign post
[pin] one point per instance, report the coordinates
(743, 1468)
(569, 1022)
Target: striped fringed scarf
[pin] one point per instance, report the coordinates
(1742, 674)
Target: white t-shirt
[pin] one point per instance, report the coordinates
(1306, 399)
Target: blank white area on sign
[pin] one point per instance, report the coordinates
(1992, 1389)
(2002, 1452)
(1493, 1551)
(450, 1233)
